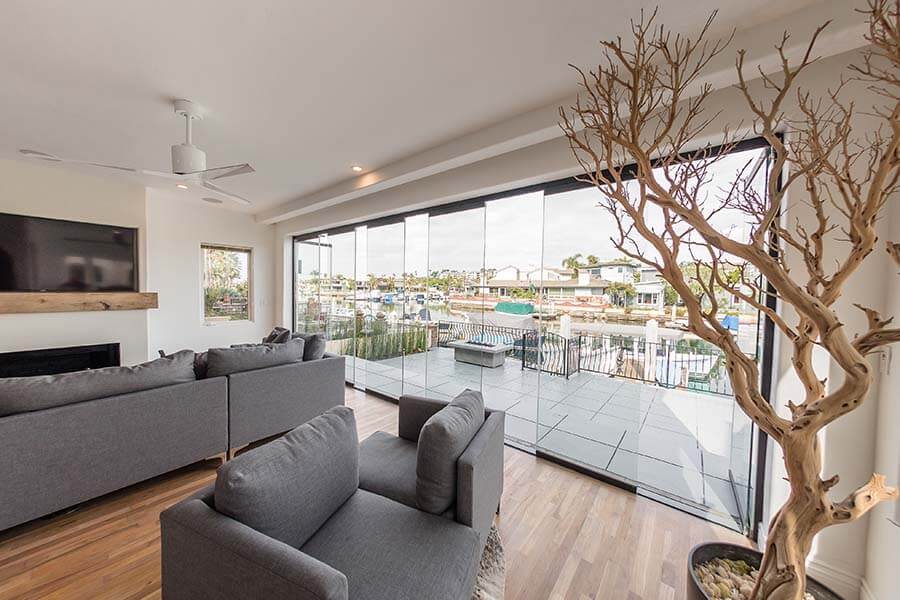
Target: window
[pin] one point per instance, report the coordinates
(227, 281)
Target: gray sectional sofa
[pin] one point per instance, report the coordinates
(266, 402)
(293, 519)
(72, 437)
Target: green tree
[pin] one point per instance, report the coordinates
(621, 293)
(223, 268)
(573, 262)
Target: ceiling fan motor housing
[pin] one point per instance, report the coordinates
(187, 159)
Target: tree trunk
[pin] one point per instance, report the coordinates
(782, 573)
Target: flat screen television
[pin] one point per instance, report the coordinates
(51, 255)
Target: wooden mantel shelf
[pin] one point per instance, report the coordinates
(46, 302)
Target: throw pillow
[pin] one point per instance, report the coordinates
(288, 488)
(199, 363)
(278, 335)
(315, 345)
(443, 439)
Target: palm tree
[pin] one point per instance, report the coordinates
(573, 262)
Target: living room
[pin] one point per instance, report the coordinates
(509, 300)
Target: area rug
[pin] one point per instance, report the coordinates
(491, 581)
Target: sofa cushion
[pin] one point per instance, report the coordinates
(278, 335)
(388, 550)
(287, 488)
(224, 361)
(25, 394)
(199, 363)
(387, 466)
(315, 345)
(443, 438)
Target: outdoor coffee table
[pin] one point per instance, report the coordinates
(484, 355)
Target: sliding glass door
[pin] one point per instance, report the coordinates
(524, 297)
(456, 307)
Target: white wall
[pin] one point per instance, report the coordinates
(53, 191)
(176, 227)
(883, 545)
(171, 228)
(849, 446)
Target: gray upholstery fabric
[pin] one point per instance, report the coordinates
(270, 401)
(315, 345)
(414, 411)
(201, 365)
(278, 335)
(209, 556)
(391, 551)
(24, 394)
(52, 459)
(442, 440)
(479, 476)
(224, 361)
(287, 488)
(387, 466)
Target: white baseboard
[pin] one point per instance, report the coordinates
(847, 585)
(865, 592)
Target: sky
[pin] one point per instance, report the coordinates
(524, 231)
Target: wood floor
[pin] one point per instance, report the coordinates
(565, 535)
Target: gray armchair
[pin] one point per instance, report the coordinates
(387, 465)
(287, 521)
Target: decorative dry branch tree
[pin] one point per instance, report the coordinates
(636, 128)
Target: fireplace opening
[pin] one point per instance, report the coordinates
(50, 361)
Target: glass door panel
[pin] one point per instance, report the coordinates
(306, 285)
(456, 265)
(419, 331)
(337, 292)
(513, 307)
(361, 305)
(579, 421)
(380, 349)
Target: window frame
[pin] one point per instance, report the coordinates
(250, 283)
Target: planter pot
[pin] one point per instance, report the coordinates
(706, 552)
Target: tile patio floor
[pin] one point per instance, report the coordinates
(676, 442)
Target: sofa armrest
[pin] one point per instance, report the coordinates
(414, 411)
(207, 555)
(479, 476)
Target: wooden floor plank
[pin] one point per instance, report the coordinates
(566, 535)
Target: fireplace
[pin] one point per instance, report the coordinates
(58, 360)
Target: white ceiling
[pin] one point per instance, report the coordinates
(300, 89)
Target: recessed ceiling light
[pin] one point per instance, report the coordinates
(356, 169)
(212, 200)
(181, 186)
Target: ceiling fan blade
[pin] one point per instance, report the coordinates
(105, 166)
(39, 155)
(218, 190)
(165, 175)
(54, 158)
(222, 172)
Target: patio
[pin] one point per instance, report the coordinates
(674, 442)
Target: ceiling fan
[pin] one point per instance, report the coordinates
(188, 161)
